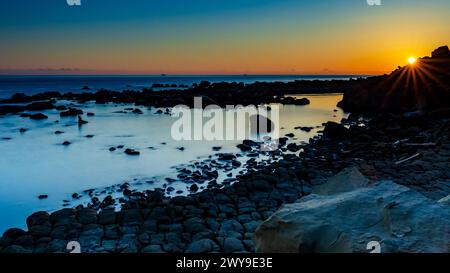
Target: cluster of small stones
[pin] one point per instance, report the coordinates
(216, 220)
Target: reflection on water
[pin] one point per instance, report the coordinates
(35, 162)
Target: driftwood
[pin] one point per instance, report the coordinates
(408, 159)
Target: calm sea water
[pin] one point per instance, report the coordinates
(35, 162)
(36, 84)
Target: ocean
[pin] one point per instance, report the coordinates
(10, 85)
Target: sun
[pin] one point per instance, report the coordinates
(412, 60)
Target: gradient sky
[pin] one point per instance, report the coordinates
(218, 36)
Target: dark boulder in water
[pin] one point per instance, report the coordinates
(72, 112)
(244, 148)
(294, 101)
(38, 116)
(260, 124)
(43, 196)
(39, 106)
(81, 121)
(66, 143)
(132, 152)
(137, 111)
(335, 130)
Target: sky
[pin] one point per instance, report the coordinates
(218, 36)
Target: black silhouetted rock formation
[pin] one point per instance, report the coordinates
(422, 86)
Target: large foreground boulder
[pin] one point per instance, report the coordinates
(399, 219)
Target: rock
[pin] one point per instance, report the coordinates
(38, 116)
(72, 112)
(230, 225)
(335, 130)
(87, 216)
(38, 218)
(347, 180)
(152, 249)
(58, 132)
(23, 130)
(107, 217)
(132, 152)
(112, 149)
(81, 121)
(291, 100)
(260, 124)
(137, 111)
(90, 114)
(244, 148)
(401, 219)
(293, 147)
(39, 106)
(202, 246)
(216, 148)
(441, 52)
(305, 129)
(66, 143)
(231, 245)
(40, 230)
(16, 249)
(14, 233)
(42, 196)
(193, 188)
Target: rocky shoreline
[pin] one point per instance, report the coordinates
(405, 140)
(411, 150)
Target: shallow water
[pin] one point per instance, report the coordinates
(35, 162)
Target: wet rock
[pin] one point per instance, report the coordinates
(14, 233)
(216, 148)
(43, 196)
(137, 111)
(107, 217)
(305, 129)
(81, 121)
(112, 149)
(87, 216)
(66, 143)
(193, 188)
(39, 106)
(58, 132)
(294, 101)
(335, 130)
(38, 218)
(38, 116)
(202, 246)
(40, 230)
(293, 147)
(226, 157)
(72, 112)
(23, 130)
(16, 249)
(152, 249)
(231, 245)
(132, 152)
(244, 148)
